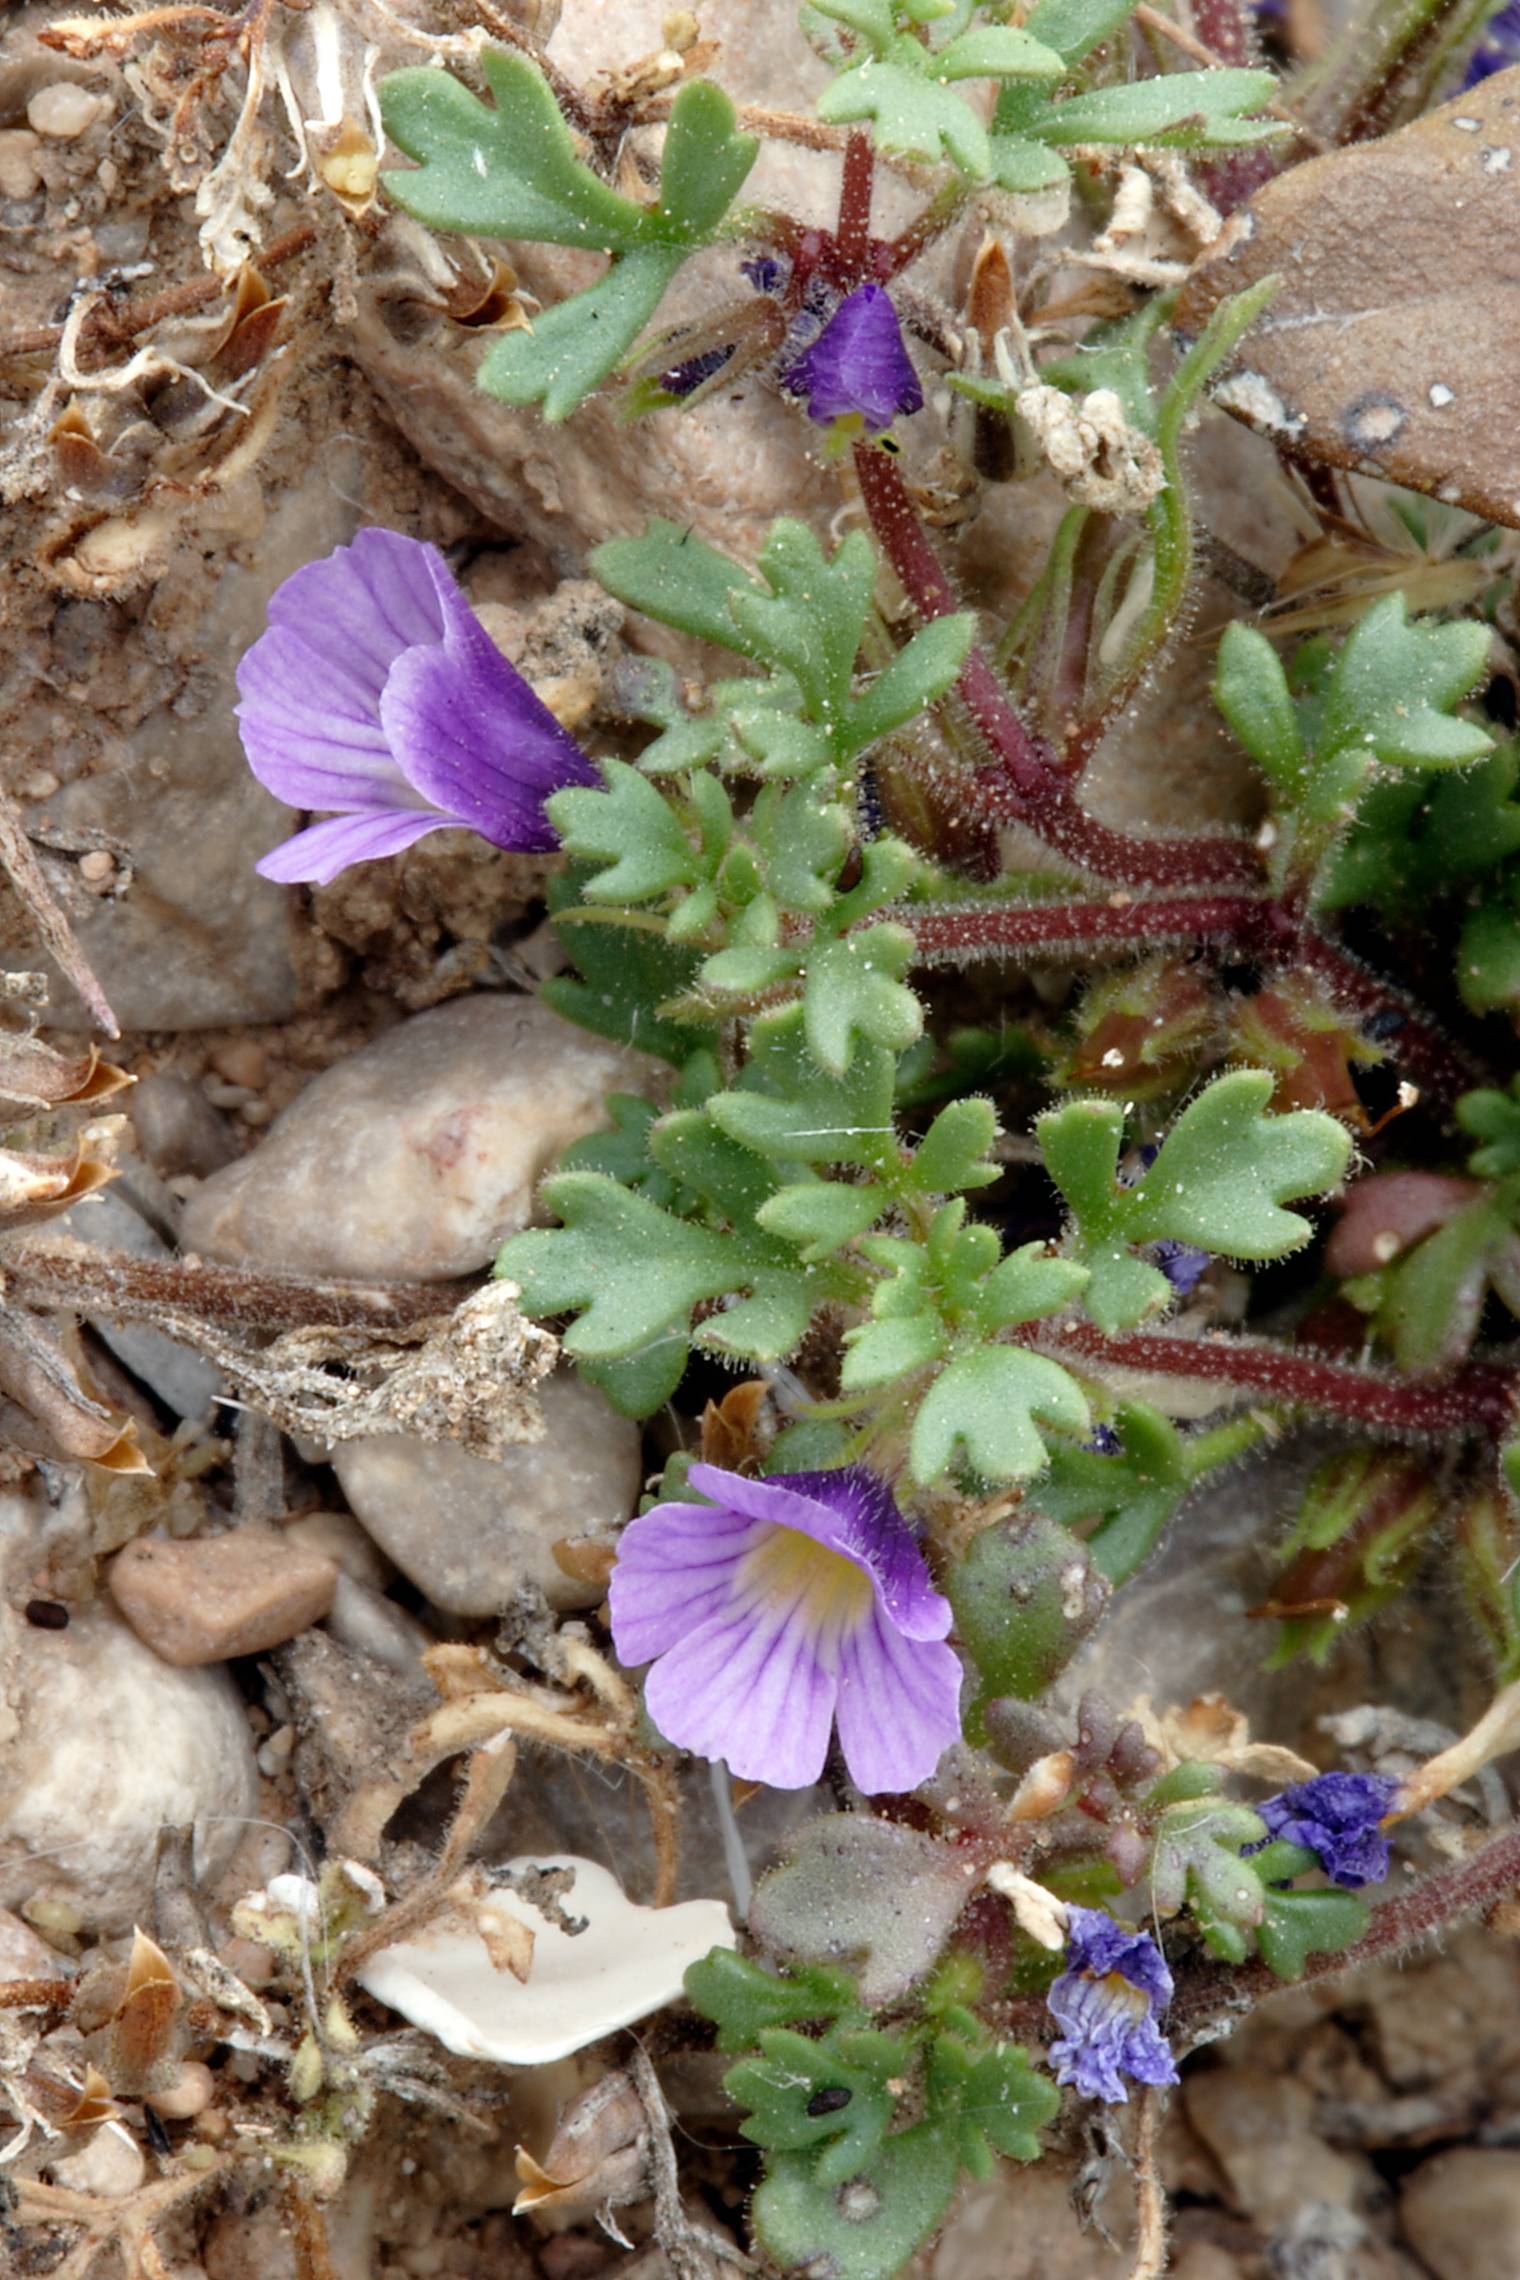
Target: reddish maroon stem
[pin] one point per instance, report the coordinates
(1028, 785)
(1049, 928)
(1480, 1397)
(1438, 1068)
(852, 236)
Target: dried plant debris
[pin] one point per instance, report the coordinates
(466, 1376)
(1387, 346)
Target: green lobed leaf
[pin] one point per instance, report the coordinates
(677, 579)
(1131, 1494)
(742, 1999)
(1076, 27)
(1298, 1925)
(704, 164)
(821, 1216)
(1000, 2101)
(811, 621)
(781, 2086)
(788, 1108)
(911, 113)
(918, 676)
(575, 344)
(869, 2228)
(982, 1412)
(1226, 1169)
(1196, 1857)
(1492, 1117)
(1251, 690)
(623, 975)
(508, 171)
(952, 1154)
(854, 995)
(1183, 110)
(996, 51)
(1396, 684)
(632, 829)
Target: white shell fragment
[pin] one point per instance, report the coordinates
(627, 1962)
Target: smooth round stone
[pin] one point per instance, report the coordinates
(102, 1747)
(471, 1531)
(419, 1154)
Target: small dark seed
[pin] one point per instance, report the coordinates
(828, 2101)
(47, 1615)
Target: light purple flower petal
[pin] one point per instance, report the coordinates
(763, 1610)
(694, 1543)
(748, 1688)
(1339, 1817)
(899, 1706)
(858, 364)
(376, 692)
(1116, 1980)
(320, 852)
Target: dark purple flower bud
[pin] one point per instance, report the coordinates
(1182, 1264)
(1498, 47)
(858, 364)
(764, 272)
(1105, 2003)
(686, 378)
(377, 693)
(1337, 1816)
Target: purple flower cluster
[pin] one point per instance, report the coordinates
(1105, 2003)
(1498, 46)
(782, 1607)
(1337, 1816)
(377, 693)
(858, 364)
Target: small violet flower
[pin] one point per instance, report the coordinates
(857, 364)
(1337, 1816)
(775, 1610)
(1105, 2003)
(1182, 1264)
(1498, 46)
(377, 692)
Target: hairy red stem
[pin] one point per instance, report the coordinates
(1479, 1397)
(1028, 784)
(1050, 928)
(1438, 1067)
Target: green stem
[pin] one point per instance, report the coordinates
(1222, 1444)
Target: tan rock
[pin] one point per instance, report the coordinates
(65, 110)
(472, 1531)
(1388, 347)
(23, 1955)
(1258, 2128)
(19, 150)
(108, 2164)
(420, 1153)
(213, 1597)
(1461, 2213)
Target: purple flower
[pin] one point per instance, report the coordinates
(1105, 2003)
(1181, 1263)
(377, 692)
(857, 364)
(1498, 47)
(1336, 1815)
(784, 1605)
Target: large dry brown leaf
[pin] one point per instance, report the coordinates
(1390, 347)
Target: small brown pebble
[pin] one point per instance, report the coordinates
(46, 1615)
(252, 1962)
(97, 866)
(242, 1061)
(214, 1597)
(187, 2095)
